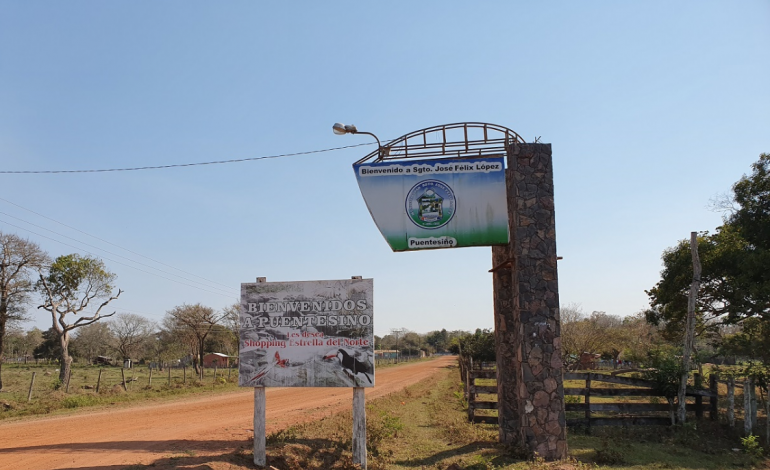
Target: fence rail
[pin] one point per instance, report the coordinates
(645, 388)
(627, 413)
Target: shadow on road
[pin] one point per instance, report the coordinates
(209, 455)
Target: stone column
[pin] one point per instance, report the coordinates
(527, 326)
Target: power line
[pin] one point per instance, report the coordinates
(182, 165)
(118, 255)
(110, 243)
(114, 261)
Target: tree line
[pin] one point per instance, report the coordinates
(76, 291)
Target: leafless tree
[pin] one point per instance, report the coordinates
(231, 327)
(93, 340)
(132, 333)
(197, 322)
(166, 347)
(19, 259)
(71, 284)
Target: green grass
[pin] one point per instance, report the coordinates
(49, 395)
(425, 427)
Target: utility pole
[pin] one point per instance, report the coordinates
(397, 332)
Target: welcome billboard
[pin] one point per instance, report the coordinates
(307, 334)
(439, 203)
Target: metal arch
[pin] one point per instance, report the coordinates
(494, 142)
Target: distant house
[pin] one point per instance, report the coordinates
(216, 360)
(385, 353)
(588, 360)
(102, 360)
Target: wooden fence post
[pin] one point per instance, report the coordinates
(731, 401)
(467, 384)
(471, 395)
(123, 376)
(260, 441)
(99, 380)
(31, 384)
(169, 375)
(753, 404)
(747, 385)
(767, 415)
(588, 404)
(698, 399)
(359, 421)
(149, 380)
(184, 374)
(713, 400)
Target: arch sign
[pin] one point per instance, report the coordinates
(437, 203)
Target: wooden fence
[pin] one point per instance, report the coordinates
(471, 393)
(619, 413)
(630, 414)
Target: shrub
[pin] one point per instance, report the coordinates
(608, 456)
(76, 401)
(751, 446)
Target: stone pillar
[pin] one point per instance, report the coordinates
(527, 326)
(506, 340)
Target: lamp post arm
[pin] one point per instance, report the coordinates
(369, 133)
(380, 149)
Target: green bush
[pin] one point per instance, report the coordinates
(76, 401)
(752, 446)
(608, 456)
(479, 346)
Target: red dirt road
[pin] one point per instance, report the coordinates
(116, 438)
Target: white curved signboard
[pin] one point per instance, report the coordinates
(440, 203)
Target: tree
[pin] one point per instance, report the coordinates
(49, 347)
(581, 333)
(411, 343)
(92, 341)
(734, 280)
(197, 322)
(480, 346)
(131, 334)
(71, 284)
(231, 331)
(751, 222)
(19, 258)
(439, 340)
(166, 347)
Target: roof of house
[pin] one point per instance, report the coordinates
(218, 354)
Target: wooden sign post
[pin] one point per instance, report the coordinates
(359, 422)
(260, 441)
(279, 350)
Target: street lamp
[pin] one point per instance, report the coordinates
(342, 129)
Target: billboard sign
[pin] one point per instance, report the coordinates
(440, 203)
(307, 334)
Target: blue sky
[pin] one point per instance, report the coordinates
(652, 108)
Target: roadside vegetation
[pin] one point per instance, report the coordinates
(50, 395)
(425, 426)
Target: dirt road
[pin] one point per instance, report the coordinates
(142, 434)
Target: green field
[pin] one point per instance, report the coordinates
(49, 395)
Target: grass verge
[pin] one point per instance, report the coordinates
(49, 395)
(425, 427)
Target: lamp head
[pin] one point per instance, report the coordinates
(339, 128)
(342, 129)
